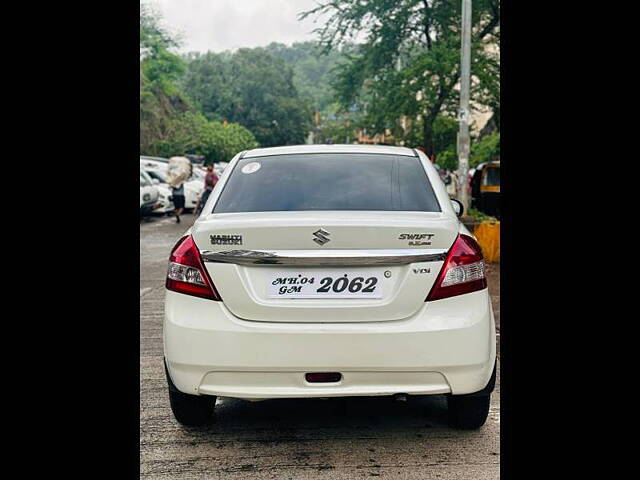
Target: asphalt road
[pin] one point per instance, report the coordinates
(296, 439)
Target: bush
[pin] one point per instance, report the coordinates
(479, 217)
(192, 133)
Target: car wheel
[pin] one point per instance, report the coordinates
(468, 413)
(190, 410)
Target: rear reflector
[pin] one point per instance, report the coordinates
(326, 377)
(462, 272)
(186, 273)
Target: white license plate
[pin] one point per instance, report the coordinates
(367, 283)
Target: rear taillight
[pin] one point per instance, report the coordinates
(462, 272)
(186, 273)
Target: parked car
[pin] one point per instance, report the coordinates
(148, 194)
(329, 271)
(154, 162)
(196, 159)
(165, 198)
(193, 187)
(154, 159)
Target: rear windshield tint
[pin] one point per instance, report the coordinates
(327, 182)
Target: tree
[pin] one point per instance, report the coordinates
(169, 123)
(153, 36)
(209, 84)
(161, 100)
(250, 87)
(313, 72)
(192, 133)
(485, 150)
(408, 64)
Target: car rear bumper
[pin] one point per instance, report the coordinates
(164, 208)
(448, 346)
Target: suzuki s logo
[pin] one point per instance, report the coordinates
(321, 236)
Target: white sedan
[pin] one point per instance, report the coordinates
(148, 194)
(159, 179)
(165, 202)
(329, 271)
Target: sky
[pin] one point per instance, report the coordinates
(219, 25)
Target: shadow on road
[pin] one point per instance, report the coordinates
(377, 413)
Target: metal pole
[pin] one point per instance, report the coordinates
(465, 84)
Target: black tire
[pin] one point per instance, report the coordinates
(190, 410)
(468, 413)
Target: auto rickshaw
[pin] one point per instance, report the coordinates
(485, 188)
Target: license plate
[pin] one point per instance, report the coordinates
(327, 284)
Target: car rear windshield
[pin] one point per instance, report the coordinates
(327, 182)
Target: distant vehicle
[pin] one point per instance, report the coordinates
(159, 179)
(154, 162)
(198, 173)
(485, 188)
(469, 179)
(154, 159)
(192, 191)
(196, 159)
(158, 175)
(192, 188)
(148, 194)
(165, 200)
(220, 167)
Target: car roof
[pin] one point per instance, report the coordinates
(155, 159)
(298, 149)
(146, 163)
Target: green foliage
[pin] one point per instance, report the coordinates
(313, 72)
(227, 140)
(161, 101)
(207, 81)
(480, 217)
(153, 36)
(402, 78)
(250, 87)
(448, 159)
(444, 131)
(408, 64)
(192, 133)
(337, 129)
(169, 123)
(485, 150)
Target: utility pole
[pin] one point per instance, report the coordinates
(465, 85)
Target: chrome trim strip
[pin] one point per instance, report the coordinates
(324, 258)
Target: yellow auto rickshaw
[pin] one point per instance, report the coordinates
(485, 188)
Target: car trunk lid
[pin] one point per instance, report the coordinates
(381, 264)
